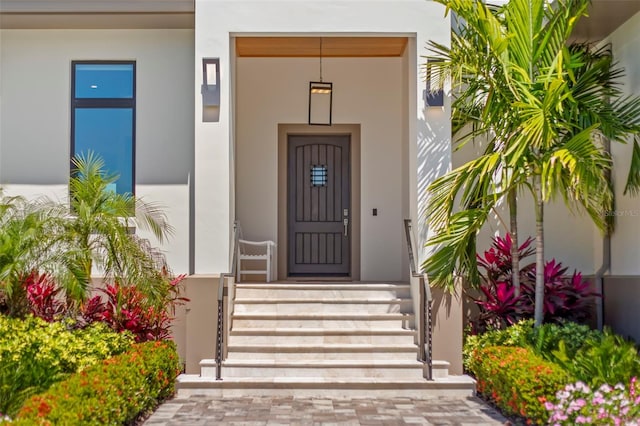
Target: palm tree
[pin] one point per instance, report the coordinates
(68, 241)
(97, 233)
(542, 107)
(28, 238)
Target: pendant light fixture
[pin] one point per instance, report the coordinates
(320, 99)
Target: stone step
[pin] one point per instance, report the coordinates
(322, 290)
(351, 321)
(329, 306)
(318, 387)
(360, 352)
(405, 370)
(391, 369)
(319, 336)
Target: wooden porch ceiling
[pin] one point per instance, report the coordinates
(304, 47)
(605, 16)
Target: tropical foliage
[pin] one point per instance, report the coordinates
(127, 309)
(542, 110)
(63, 244)
(604, 364)
(602, 359)
(34, 354)
(28, 237)
(98, 231)
(543, 340)
(517, 380)
(55, 321)
(113, 392)
(565, 297)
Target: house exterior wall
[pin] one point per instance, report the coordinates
(622, 282)
(624, 242)
(427, 132)
(218, 21)
(187, 164)
(35, 79)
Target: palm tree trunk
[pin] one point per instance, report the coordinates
(539, 299)
(513, 231)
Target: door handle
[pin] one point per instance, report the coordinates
(345, 221)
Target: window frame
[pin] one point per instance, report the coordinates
(104, 103)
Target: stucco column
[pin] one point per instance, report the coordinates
(213, 182)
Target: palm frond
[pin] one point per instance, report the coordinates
(455, 249)
(633, 179)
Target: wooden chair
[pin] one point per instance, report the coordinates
(253, 252)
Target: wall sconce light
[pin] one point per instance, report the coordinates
(320, 99)
(210, 82)
(433, 97)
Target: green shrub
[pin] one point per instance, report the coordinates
(518, 335)
(603, 359)
(546, 338)
(35, 354)
(542, 340)
(113, 392)
(517, 380)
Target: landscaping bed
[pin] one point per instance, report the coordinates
(72, 351)
(560, 374)
(116, 391)
(54, 373)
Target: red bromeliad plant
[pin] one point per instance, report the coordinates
(566, 298)
(501, 307)
(123, 307)
(497, 260)
(43, 297)
(126, 308)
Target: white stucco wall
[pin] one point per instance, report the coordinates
(368, 92)
(218, 20)
(35, 76)
(624, 242)
(569, 236)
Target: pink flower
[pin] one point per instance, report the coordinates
(605, 388)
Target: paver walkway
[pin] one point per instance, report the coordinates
(207, 410)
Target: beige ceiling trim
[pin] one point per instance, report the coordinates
(97, 6)
(97, 21)
(310, 46)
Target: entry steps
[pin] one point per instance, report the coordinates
(319, 339)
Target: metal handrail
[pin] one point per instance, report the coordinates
(425, 341)
(221, 288)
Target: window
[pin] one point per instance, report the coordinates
(318, 175)
(103, 116)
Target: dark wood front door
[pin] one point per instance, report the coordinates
(319, 210)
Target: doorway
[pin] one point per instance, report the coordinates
(319, 205)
